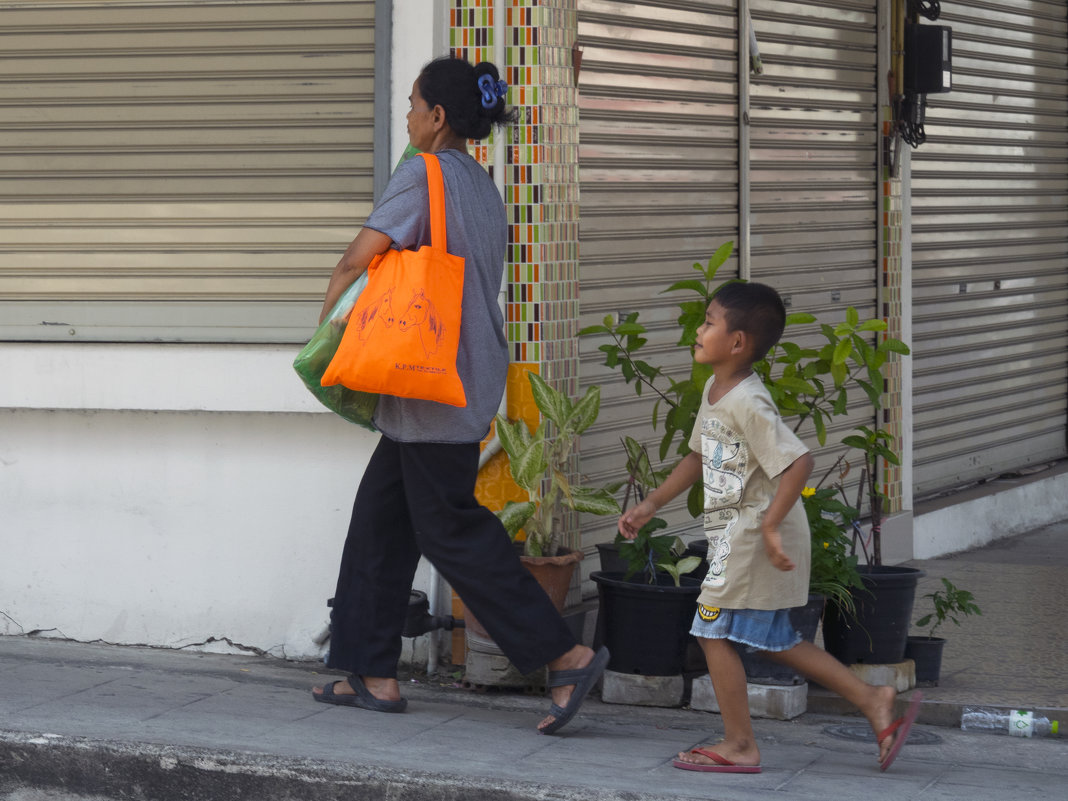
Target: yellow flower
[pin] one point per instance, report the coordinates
(826, 545)
(808, 492)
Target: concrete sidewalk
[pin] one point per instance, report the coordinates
(106, 722)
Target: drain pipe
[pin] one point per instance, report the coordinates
(493, 447)
(745, 27)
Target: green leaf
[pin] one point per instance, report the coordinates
(552, 404)
(873, 393)
(647, 369)
(821, 426)
(896, 346)
(695, 499)
(529, 465)
(584, 413)
(515, 437)
(596, 329)
(839, 373)
(872, 325)
(723, 252)
(853, 441)
(630, 329)
(795, 385)
(852, 317)
(515, 515)
(800, 318)
(692, 284)
(594, 501)
(842, 351)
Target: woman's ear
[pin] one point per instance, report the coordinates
(437, 117)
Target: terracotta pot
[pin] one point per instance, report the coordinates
(553, 573)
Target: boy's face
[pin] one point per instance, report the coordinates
(715, 344)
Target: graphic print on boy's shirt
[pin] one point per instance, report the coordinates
(724, 457)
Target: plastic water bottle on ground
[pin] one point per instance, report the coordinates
(1014, 722)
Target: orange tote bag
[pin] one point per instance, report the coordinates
(404, 330)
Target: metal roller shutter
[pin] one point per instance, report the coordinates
(658, 159)
(813, 169)
(180, 170)
(990, 248)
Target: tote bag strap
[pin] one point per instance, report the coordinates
(436, 188)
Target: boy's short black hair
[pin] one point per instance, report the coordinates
(755, 309)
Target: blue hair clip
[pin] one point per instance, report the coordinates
(492, 91)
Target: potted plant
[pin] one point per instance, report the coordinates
(645, 611)
(539, 462)
(812, 385)
(641, 478)
(647, 600)
(926, 650)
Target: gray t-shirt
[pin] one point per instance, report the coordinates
(477, 231)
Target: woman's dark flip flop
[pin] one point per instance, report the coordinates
(361, 700)
(902, 726)
(583, 679)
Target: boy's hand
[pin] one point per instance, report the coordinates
(773, 547)
(631, 522)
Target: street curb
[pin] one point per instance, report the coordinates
(148, 772)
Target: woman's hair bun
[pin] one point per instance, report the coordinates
(474, 97)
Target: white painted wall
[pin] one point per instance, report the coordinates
(170, 494)
(420, 33)
(1005, 508)
(170, 528)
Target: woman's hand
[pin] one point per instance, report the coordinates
(354, 261)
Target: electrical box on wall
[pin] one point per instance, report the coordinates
(928, 59)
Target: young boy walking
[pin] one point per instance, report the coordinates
(754, 468)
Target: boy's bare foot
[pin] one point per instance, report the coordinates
(880, 714)
(741, 754)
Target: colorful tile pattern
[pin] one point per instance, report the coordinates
(541, 182)
(541, 185)
(541, 200)
(892, 313)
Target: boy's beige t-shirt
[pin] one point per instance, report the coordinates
(744, 446)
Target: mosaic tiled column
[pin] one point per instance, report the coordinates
(892, 312)
(541, 200)
(541, 191)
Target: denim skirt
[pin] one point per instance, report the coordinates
(760, 629)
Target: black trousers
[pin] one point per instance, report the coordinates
(418, 498)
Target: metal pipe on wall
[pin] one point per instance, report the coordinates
(745, 24)
(492, 447)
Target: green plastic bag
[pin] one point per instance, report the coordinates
(311, 362)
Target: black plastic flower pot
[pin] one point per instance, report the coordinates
(876, 634)
(926, 652)
(646, 626)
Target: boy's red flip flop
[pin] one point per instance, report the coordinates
(902, 726)
(723, 765)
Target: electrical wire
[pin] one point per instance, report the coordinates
(931, 9)
(910, 124)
